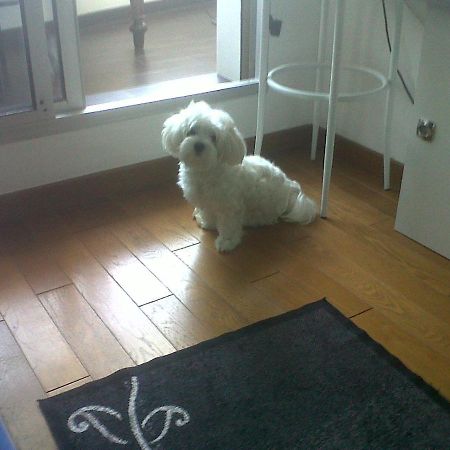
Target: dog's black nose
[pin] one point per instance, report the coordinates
(199, 147)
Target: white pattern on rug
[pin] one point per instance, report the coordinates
(88, 419)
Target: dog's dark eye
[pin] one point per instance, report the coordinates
(192, 132)
(213, 138)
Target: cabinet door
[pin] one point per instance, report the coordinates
(424, 206)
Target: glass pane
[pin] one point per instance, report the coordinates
(54, 50)
(179, 42)
(15, 86)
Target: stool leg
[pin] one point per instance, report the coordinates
(331, 121)
(393, 66)
(320, 60)
(262, 69)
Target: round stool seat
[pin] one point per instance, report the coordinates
(314, 95)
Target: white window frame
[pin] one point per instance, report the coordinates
(65, 15)
(43, 106)
(72, 114)
(32, 17)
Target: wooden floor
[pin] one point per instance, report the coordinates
(88, 290)
(180, 42)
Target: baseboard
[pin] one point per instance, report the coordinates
(91, 188)
(87, 189)
(366, 159)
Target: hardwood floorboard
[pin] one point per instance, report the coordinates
(137, 335)
(420, 358)
(294, 266)
(376, 293)
(159, 212)
(363, 247)
(38, 268)
(280, 286)
(228, 282)
(342, 204)
(182, 281)
(45, 348)
(94, 344)
(19, 390)
(178, 324)
(134, 278)
(171, 234)
(77, 218)
(426, 265)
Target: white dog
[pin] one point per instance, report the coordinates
(228, 189)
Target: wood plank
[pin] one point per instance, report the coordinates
(170, 233)
(137, 335)
(393, 272)
(31, 258)
(83, 217)
(48, 353)
(69, 387)
(426, 265)
(177, 323)
(39, 269)
(414, 353)
(247, 255)
(342, 203)
(195, 294)
(155, 209)
(376, 293)
(158, 210)
(258, 260)
(134, 278)
(280, 285)
(361, 183)
(250, 303)
(19, 390)
(96, 347)
(346, 301)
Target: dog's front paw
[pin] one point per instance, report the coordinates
(224, 244)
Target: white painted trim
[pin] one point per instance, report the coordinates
(108, 113)
(66, 18)
(33, 16)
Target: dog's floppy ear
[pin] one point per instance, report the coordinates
(172, 134)
(231, 143)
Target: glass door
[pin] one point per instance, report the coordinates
(25, 85)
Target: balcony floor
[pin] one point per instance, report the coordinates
(179, 43)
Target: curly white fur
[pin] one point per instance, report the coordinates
(228, 189)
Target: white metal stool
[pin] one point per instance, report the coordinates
(268, 79)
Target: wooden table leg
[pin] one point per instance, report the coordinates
(138, 26)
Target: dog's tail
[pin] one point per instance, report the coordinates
(301, 208)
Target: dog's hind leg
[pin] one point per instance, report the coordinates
(302, 210)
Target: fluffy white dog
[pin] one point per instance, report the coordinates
(228, 189)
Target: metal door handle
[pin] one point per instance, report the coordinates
(426, 129)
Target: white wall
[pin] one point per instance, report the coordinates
(91, 6)
(365, 43)
(39, 161)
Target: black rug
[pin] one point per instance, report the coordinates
(308, 379)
